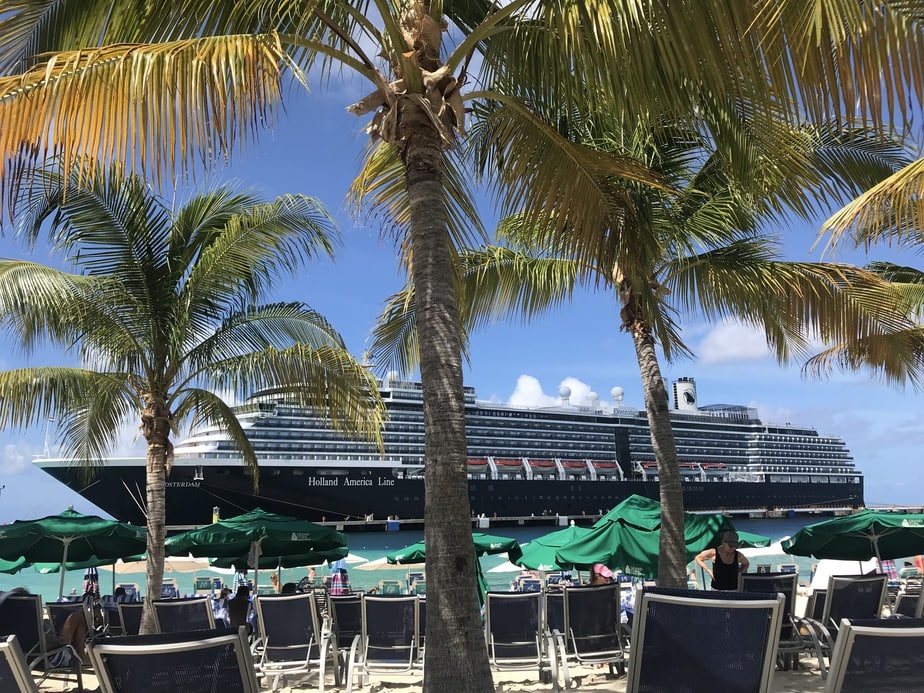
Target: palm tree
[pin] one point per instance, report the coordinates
(176, 80)
(695, 248)
(163, 309)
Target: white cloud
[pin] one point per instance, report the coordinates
(529, 393)
(15, 460)
(732, 341)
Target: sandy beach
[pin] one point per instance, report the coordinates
(807, 679)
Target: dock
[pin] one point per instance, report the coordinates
(584, 520)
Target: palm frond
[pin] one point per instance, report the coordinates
(325, 378)
(153, 106)
(203, 408)
(393, 341)
(379, 193)
(88, 406)
(896, 358)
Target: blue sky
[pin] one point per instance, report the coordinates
(314, 149)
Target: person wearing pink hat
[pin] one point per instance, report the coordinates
(600, 574)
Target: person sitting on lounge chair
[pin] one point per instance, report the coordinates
(73, 632)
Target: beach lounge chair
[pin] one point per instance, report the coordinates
(175, 662)
(684, 640)
(815, 604)
(21, 615)
(790, 642)
(389, 642)
(391, 587)
(516, 636)
(169, 589)
(847, 596)
(14, 672)
(183, 615)
(346, 623)
(203, 586)
(290, 639)
(58, 613)
(130, 617)
(882, 655)
(132, 591)
(909, 605)
(591, 630)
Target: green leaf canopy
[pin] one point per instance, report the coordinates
(627, 538)
(258, 533)
(858, 537)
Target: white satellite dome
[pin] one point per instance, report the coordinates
(564, 392)
(617, 393)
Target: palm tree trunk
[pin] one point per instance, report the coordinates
(672, 561)
(456, 655)
(154, 421)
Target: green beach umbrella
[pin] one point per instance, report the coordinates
(749, 540)
(288, 561)
(627, 538)
(273, 535)
(539, 554)
(246, 539)
(484, 544)
(70, 537)
(10, 567)
(867, 534)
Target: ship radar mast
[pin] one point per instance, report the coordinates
(565, 393)
(617, 393)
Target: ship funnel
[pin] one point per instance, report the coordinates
(685, 395)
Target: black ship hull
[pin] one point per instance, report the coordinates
(119, 490)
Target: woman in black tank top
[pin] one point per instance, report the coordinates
(727, 563)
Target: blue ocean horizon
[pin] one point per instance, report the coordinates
(374, 545)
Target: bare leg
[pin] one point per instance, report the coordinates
(74, 632)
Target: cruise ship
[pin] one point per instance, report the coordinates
(566, 460)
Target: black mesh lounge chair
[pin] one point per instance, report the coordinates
(130, 617)
(848, 596)
(516, 636)
(346, 624)
(21, 615)
(591, 630)
(15, 676)
(909, 605)
(59, 612)
(290, 640)
(389, 641)
(791, 643)
(183, 615)
(171, 662)
(693, 640)
(882, 655)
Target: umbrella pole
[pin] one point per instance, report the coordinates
(67, 543)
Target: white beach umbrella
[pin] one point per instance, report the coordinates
(827, 567)
(505, 567)
(383, 564)
(774, 549)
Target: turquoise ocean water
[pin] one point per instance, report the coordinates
(372, 545)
